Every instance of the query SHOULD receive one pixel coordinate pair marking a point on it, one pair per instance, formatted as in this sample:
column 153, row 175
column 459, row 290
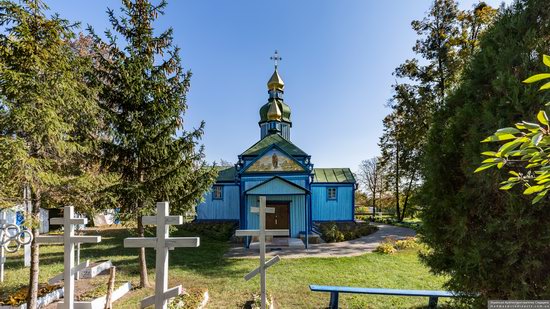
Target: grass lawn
column 205, row 267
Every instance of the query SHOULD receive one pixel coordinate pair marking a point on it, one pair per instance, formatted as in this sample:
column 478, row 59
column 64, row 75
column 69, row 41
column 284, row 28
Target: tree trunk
column 143, row 278
column 34, row 269
column 397, row 211
column 407, row 197
column 373, row 203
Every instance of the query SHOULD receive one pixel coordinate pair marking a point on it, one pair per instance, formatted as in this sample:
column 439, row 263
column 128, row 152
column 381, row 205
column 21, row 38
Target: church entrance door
column 280, row 220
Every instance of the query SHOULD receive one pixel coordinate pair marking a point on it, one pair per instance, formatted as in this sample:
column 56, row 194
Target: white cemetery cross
column 11, row 240
column 162, row 243
column 69, row 239
column 262, row 233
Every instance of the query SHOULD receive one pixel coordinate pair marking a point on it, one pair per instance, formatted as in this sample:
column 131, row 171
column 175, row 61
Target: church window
column 217, row 193
column 331, row 193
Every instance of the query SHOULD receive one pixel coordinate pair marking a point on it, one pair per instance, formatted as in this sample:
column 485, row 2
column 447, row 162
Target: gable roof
column 293, row 165
column 333, row 175
column 295, row 189
column 276, row 139
column 226, row 173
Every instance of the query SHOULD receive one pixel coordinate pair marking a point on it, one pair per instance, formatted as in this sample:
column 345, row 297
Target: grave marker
column 68, row 239
column 162, row 243
column 262, row 233
column 11, row 240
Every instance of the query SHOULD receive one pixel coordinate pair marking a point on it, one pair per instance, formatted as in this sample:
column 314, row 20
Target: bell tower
column 275, row 114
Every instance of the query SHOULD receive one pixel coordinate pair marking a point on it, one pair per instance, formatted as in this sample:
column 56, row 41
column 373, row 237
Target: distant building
column 276, row 168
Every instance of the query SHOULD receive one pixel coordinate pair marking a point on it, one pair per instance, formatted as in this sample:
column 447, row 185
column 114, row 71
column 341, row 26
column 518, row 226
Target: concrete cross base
column 95, row 269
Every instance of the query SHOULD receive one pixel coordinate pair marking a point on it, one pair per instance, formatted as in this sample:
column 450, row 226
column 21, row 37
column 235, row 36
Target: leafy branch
column 528, row 145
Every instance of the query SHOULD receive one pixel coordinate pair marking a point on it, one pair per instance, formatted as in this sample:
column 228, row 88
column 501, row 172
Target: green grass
column 288, row 281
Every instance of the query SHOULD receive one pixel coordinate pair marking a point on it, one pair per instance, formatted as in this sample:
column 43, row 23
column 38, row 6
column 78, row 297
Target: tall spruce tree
column 47, row 112
column 143, row 98
column 488, row 241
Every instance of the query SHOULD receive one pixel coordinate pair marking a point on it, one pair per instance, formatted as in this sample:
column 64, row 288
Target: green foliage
column 341, row 231
column 526, row 151
column 221, row 231
column 386, row 248
column 143, row 100
column 391, row 245
column 407, row 243
column 47, row 110
column 48, row 116
column 447, row 38
column 487, row 240
column 331, row 233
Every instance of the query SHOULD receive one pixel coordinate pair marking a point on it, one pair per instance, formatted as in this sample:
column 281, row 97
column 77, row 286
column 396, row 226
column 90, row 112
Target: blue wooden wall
column 297, row 212
column 324, row 209
column 249, row 182
column 225, row 209
column 275, row 186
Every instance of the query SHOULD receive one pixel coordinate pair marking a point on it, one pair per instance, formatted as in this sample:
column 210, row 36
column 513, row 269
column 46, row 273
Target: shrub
column 221, row 230
column 386, row 248
column 331, row 233
column 341, row 231
column 407, row 243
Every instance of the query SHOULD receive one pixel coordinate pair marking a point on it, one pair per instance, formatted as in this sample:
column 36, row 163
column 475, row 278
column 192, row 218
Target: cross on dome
column 276, row 58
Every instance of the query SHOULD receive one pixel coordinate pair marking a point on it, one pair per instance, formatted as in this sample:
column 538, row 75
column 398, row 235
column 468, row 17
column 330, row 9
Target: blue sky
column 338, row 59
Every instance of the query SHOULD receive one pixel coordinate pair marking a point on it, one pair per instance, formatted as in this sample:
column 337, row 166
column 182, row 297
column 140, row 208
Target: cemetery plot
column 47, row 294
column 68, row 239
column 162, row 244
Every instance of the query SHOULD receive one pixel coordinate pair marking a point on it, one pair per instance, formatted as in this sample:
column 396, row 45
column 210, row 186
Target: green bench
column 334, row 291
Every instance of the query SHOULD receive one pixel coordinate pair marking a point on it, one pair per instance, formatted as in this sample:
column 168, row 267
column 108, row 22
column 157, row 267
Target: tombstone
column 262, row 233
column 68, row 239
column 11, row 240
column 162, row 243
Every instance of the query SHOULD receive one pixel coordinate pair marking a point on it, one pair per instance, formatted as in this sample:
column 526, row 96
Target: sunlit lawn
column 288, row 281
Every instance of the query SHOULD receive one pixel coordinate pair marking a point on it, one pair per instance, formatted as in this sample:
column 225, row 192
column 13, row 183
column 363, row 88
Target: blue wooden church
column 276, row 168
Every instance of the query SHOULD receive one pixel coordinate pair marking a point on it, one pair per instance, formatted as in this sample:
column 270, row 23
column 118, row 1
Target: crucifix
column 262, row 233
column 276, row 59
column 162, row 243
column 68, row 239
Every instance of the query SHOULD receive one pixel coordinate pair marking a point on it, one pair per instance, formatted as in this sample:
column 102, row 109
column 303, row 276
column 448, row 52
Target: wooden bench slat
column 396, row 292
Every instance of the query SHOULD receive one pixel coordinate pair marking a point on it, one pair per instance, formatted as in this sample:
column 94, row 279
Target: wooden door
column 280, row 220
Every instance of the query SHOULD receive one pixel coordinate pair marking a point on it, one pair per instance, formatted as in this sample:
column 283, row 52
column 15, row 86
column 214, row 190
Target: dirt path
column 339, row 249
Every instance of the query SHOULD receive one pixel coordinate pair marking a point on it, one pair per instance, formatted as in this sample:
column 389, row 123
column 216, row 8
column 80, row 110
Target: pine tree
column 143, row 98
column 47, row 112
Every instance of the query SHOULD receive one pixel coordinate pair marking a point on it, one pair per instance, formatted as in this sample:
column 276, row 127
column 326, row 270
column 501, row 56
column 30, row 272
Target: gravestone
column 162, row 243
column 262, row 233
column 68, row 239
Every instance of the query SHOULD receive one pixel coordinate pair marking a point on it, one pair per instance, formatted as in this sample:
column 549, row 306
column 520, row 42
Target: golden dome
column 275, row 82
column 274, row 112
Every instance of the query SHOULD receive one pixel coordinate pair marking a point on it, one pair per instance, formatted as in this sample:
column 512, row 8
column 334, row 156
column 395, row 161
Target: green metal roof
column 285, row 110
column 333, row 175
column 276, row 139
column 226, row 173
